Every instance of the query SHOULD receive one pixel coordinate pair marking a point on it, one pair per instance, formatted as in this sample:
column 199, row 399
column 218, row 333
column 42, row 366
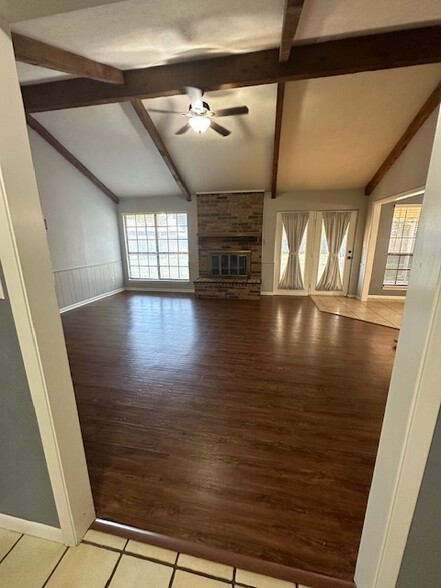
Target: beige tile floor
column 381, row 312
column 107, row 561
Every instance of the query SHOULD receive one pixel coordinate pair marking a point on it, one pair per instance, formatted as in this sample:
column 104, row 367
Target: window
column 157, row 246
column 401, row 245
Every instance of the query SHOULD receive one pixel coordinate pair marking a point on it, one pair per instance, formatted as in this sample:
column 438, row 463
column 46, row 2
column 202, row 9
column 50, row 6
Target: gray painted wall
column 25, row 488
column 82, row 228
column 421, row 565
column 381, row 249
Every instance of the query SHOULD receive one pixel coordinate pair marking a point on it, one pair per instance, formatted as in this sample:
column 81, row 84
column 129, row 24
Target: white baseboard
column 284, row 293
column 161, row 290
column 384, row 297
column 31, row 528
column 89, row 300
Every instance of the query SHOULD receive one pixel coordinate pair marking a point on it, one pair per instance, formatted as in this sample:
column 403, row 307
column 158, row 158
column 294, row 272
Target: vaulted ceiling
column 336, row 131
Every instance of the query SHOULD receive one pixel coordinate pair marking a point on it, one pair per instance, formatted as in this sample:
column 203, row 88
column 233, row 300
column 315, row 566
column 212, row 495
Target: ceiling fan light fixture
column 199, row 123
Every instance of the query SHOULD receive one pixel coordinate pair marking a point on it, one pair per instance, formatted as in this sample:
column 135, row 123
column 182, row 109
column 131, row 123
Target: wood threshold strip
column 43, row 55
column 291, row 18
column 277, row 135
column 221, row 556
column 423, row 114
column 149, row 125
column 400, row 48
column 70, row 157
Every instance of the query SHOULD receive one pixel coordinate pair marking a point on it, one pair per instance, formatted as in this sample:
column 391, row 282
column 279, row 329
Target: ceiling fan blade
column 183, row 129
column 232, row 111
column 164, row 111
column 220, row 129
column 195, row 95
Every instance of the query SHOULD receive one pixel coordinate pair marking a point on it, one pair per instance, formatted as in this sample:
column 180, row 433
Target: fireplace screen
column 230, row 263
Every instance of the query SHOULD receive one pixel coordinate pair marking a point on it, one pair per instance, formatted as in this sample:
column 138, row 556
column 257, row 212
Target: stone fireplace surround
column 229, row 222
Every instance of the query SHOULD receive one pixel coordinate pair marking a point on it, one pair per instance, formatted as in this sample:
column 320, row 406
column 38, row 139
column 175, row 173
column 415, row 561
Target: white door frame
column 62, row 451
column 24, row 255
column 313, row 232
column 413, row 403
column 370, row 239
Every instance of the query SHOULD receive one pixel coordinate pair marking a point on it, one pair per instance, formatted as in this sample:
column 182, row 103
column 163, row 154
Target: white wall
column 163, row 204
column 82, row 228
column 408, row 174
column 309, row 200
column 413, row 402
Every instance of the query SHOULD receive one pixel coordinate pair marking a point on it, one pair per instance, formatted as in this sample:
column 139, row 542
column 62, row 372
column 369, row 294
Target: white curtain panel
column 336, row 224
column 294, row 224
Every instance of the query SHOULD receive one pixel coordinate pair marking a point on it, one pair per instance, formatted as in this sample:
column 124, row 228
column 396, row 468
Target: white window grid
column 401, row 245
column 157, row 246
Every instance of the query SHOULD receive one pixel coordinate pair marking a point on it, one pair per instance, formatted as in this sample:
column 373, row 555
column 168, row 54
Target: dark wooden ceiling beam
column 277, row 135
column 70, row 157
column 291, row 18
column 329, row 58
column 423, row 114
column 149, row 125
column 43, row 55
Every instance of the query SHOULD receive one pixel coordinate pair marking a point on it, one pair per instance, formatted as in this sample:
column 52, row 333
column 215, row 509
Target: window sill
column 158, row 281
column 402, row 288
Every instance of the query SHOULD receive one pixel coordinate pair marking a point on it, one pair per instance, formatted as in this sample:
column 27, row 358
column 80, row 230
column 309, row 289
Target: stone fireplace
column 230, row 245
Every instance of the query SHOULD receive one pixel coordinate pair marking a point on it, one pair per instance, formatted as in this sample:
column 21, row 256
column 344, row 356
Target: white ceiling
column 111, row 141
column 140, row 33
column 325, row 19
column 18, row 10
column 336, row 131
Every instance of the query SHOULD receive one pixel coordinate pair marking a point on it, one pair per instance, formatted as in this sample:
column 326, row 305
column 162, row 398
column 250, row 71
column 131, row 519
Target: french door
column 323, row 253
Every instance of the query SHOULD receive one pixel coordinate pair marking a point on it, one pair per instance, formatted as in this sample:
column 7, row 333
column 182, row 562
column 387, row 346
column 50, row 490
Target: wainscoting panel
column 82, row 283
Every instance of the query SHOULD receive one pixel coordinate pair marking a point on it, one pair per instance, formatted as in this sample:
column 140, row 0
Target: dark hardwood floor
column 248, row 426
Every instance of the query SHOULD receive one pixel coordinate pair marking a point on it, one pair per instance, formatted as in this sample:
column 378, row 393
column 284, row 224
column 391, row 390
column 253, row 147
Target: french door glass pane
column 284, row 253
column 302, row 253
column 323, row 253
column 342, row 254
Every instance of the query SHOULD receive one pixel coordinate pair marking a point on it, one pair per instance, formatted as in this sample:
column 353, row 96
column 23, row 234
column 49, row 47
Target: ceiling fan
column 200, row 117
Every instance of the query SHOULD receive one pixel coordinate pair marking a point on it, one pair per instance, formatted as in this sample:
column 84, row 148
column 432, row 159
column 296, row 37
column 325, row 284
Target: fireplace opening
column 230, row 263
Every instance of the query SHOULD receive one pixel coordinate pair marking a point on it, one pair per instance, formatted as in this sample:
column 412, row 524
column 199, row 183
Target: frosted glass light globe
column 199, row 123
